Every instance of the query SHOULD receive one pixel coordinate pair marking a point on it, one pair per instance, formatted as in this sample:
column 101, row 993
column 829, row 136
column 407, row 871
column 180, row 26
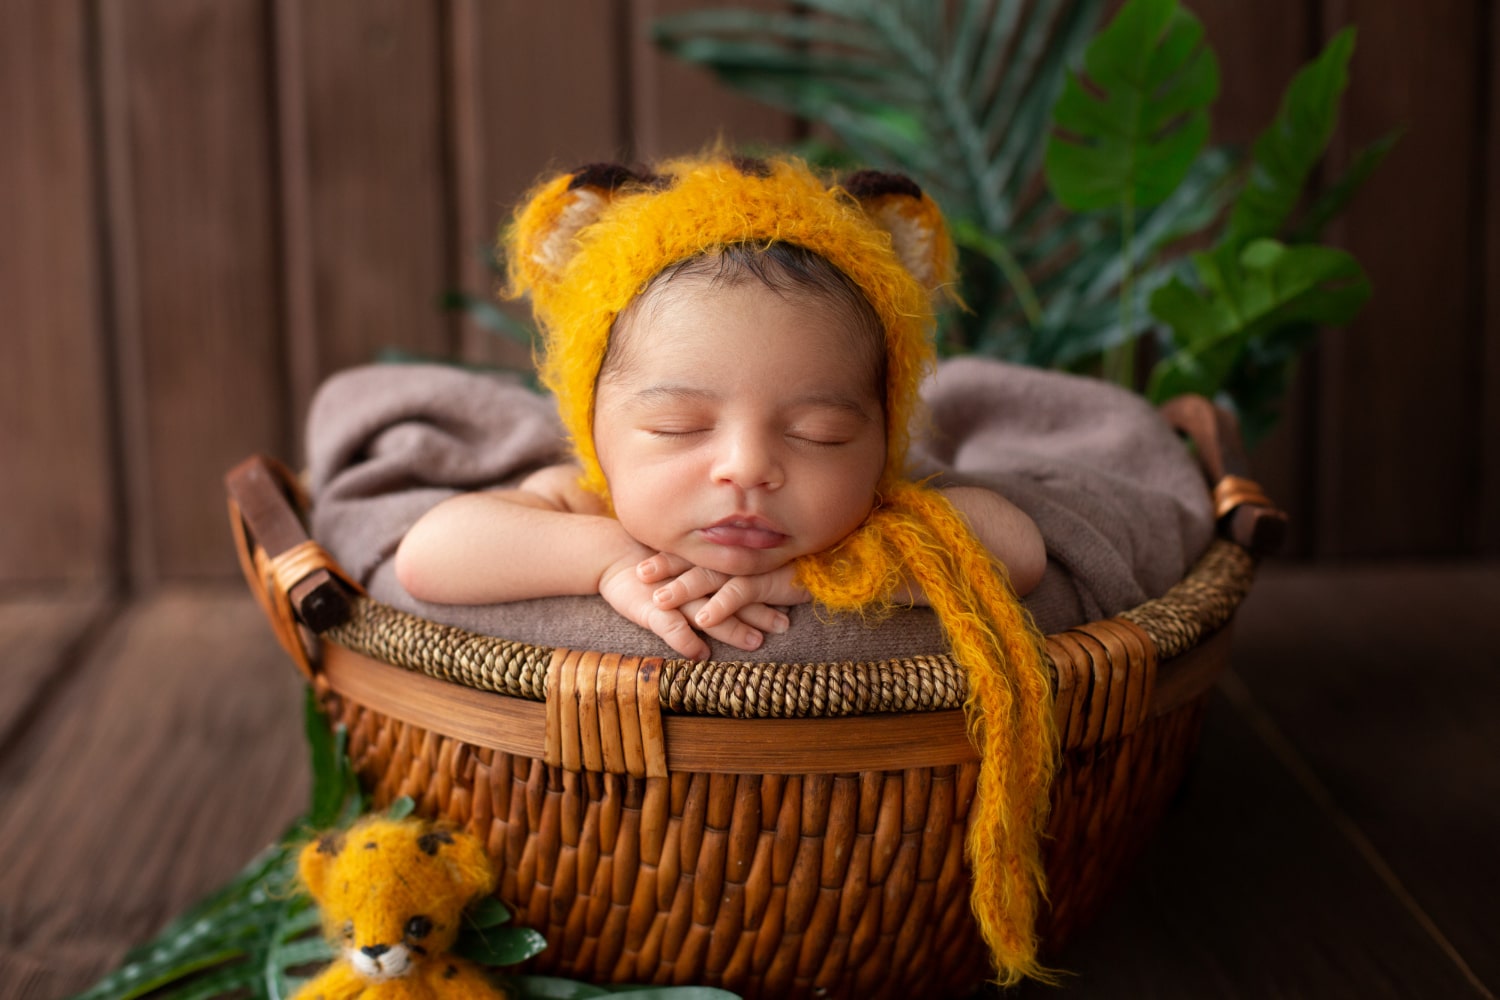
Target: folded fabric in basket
column 1119, row 501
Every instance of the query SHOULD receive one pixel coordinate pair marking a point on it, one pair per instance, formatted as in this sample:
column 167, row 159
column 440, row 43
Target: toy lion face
column 392, row 892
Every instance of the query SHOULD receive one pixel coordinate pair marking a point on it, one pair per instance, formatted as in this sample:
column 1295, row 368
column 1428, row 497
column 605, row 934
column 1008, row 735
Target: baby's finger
column 738, row 593
column 674, row 630
column 760, row 616
column 691, row 585
column 661, row 566
column 732, row 631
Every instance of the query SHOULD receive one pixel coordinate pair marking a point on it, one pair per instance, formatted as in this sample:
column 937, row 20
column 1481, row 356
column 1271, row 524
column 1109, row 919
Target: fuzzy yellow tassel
column 917, row 535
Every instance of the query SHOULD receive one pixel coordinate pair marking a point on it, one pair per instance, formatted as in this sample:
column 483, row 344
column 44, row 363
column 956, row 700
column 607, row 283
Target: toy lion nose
column 375, row 950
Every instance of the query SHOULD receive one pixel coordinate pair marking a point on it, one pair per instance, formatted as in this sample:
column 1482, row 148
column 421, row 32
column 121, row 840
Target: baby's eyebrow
column 831, row 401
column 672, row 393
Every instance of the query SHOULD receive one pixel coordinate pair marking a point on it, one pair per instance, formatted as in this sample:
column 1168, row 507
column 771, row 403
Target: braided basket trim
column 1200, row 603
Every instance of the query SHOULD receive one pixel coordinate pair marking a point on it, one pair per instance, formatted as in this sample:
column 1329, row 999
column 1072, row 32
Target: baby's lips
column 744, row 533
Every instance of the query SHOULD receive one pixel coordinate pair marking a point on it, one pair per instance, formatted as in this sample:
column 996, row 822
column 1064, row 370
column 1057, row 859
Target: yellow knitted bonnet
column 586, row 243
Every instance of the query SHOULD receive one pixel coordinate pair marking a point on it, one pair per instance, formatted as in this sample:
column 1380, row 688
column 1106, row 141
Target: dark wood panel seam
column 130, row 438
column 298, row 312
column 463, row 163
column 1306, row 460
column 53, row 695
column 1313, row 19
column 1475, row 369
column 117, row 553
column 456, row 122
column 1485, row 535
column 287, row 429
column 1233, row 687
column 623, row 20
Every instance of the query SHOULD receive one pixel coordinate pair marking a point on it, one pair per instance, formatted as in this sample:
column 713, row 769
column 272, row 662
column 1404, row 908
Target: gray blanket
column 1119, row 501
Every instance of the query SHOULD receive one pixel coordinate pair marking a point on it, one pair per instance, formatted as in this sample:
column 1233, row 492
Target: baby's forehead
column 837, row 338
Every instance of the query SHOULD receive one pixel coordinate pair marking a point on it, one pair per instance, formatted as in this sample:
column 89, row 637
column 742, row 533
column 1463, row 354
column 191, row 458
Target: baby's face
column 741, row 428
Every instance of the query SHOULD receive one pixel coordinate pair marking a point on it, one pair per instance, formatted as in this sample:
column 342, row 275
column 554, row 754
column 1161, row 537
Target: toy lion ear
column 316, row 858
column 470, row 865
column 544, row 236
column 918, row 233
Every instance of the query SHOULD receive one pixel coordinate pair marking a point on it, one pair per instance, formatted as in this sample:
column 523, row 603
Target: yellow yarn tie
column 917, row 535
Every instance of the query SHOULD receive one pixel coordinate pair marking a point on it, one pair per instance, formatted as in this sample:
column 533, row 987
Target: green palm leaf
column 1288, row 150
column 1336, row 196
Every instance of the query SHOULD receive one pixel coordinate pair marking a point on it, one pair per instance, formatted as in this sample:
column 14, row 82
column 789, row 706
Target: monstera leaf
column 1128, row 136
column 1265, row 286
column 1126, row 139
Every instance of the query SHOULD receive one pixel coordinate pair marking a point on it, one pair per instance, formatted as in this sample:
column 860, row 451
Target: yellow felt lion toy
column 393, row 893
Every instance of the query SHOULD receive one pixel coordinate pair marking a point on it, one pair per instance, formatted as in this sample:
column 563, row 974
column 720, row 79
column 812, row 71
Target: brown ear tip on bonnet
column 539, row 242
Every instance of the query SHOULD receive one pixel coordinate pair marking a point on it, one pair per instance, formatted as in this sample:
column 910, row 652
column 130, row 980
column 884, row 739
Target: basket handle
column 295, row 580
column 1244, row 513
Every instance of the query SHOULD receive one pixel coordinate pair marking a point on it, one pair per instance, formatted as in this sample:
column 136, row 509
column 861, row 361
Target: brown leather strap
column 264, row 503
column 1244, row 514
column 1232, row 491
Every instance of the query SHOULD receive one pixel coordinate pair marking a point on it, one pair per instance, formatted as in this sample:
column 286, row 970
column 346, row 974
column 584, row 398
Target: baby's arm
column 544, row 539
column 550, row 538
column 1007, row 531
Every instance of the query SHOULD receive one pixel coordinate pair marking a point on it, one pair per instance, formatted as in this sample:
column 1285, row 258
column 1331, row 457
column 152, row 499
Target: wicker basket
column 774, row 829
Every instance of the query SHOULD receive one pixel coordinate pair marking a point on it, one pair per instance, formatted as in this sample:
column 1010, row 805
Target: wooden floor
column 1340, row 836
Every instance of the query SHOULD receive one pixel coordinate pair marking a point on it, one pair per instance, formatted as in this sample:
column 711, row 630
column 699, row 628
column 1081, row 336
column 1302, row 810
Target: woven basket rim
column 1198, row 604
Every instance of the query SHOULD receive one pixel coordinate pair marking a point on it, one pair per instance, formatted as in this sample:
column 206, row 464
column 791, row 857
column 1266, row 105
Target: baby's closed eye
column 829, row 430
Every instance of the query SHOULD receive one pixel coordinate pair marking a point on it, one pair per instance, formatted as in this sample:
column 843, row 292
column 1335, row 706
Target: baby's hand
column 747, row 598
column 625, row 589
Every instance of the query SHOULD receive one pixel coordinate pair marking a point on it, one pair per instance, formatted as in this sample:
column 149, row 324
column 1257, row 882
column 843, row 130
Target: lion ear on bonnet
column 919, row 234
column 555, row 213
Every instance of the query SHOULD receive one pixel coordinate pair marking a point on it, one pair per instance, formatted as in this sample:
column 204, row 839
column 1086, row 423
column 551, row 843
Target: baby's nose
column 749, row 461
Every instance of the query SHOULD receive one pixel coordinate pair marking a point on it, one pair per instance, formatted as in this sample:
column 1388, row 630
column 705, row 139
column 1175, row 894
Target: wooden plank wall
column 206, row 206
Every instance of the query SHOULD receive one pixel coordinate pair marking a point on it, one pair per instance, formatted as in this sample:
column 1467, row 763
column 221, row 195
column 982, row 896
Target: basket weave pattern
column 768, row 884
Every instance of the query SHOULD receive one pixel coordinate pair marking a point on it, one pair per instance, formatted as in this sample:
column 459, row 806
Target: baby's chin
column 737, row 561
